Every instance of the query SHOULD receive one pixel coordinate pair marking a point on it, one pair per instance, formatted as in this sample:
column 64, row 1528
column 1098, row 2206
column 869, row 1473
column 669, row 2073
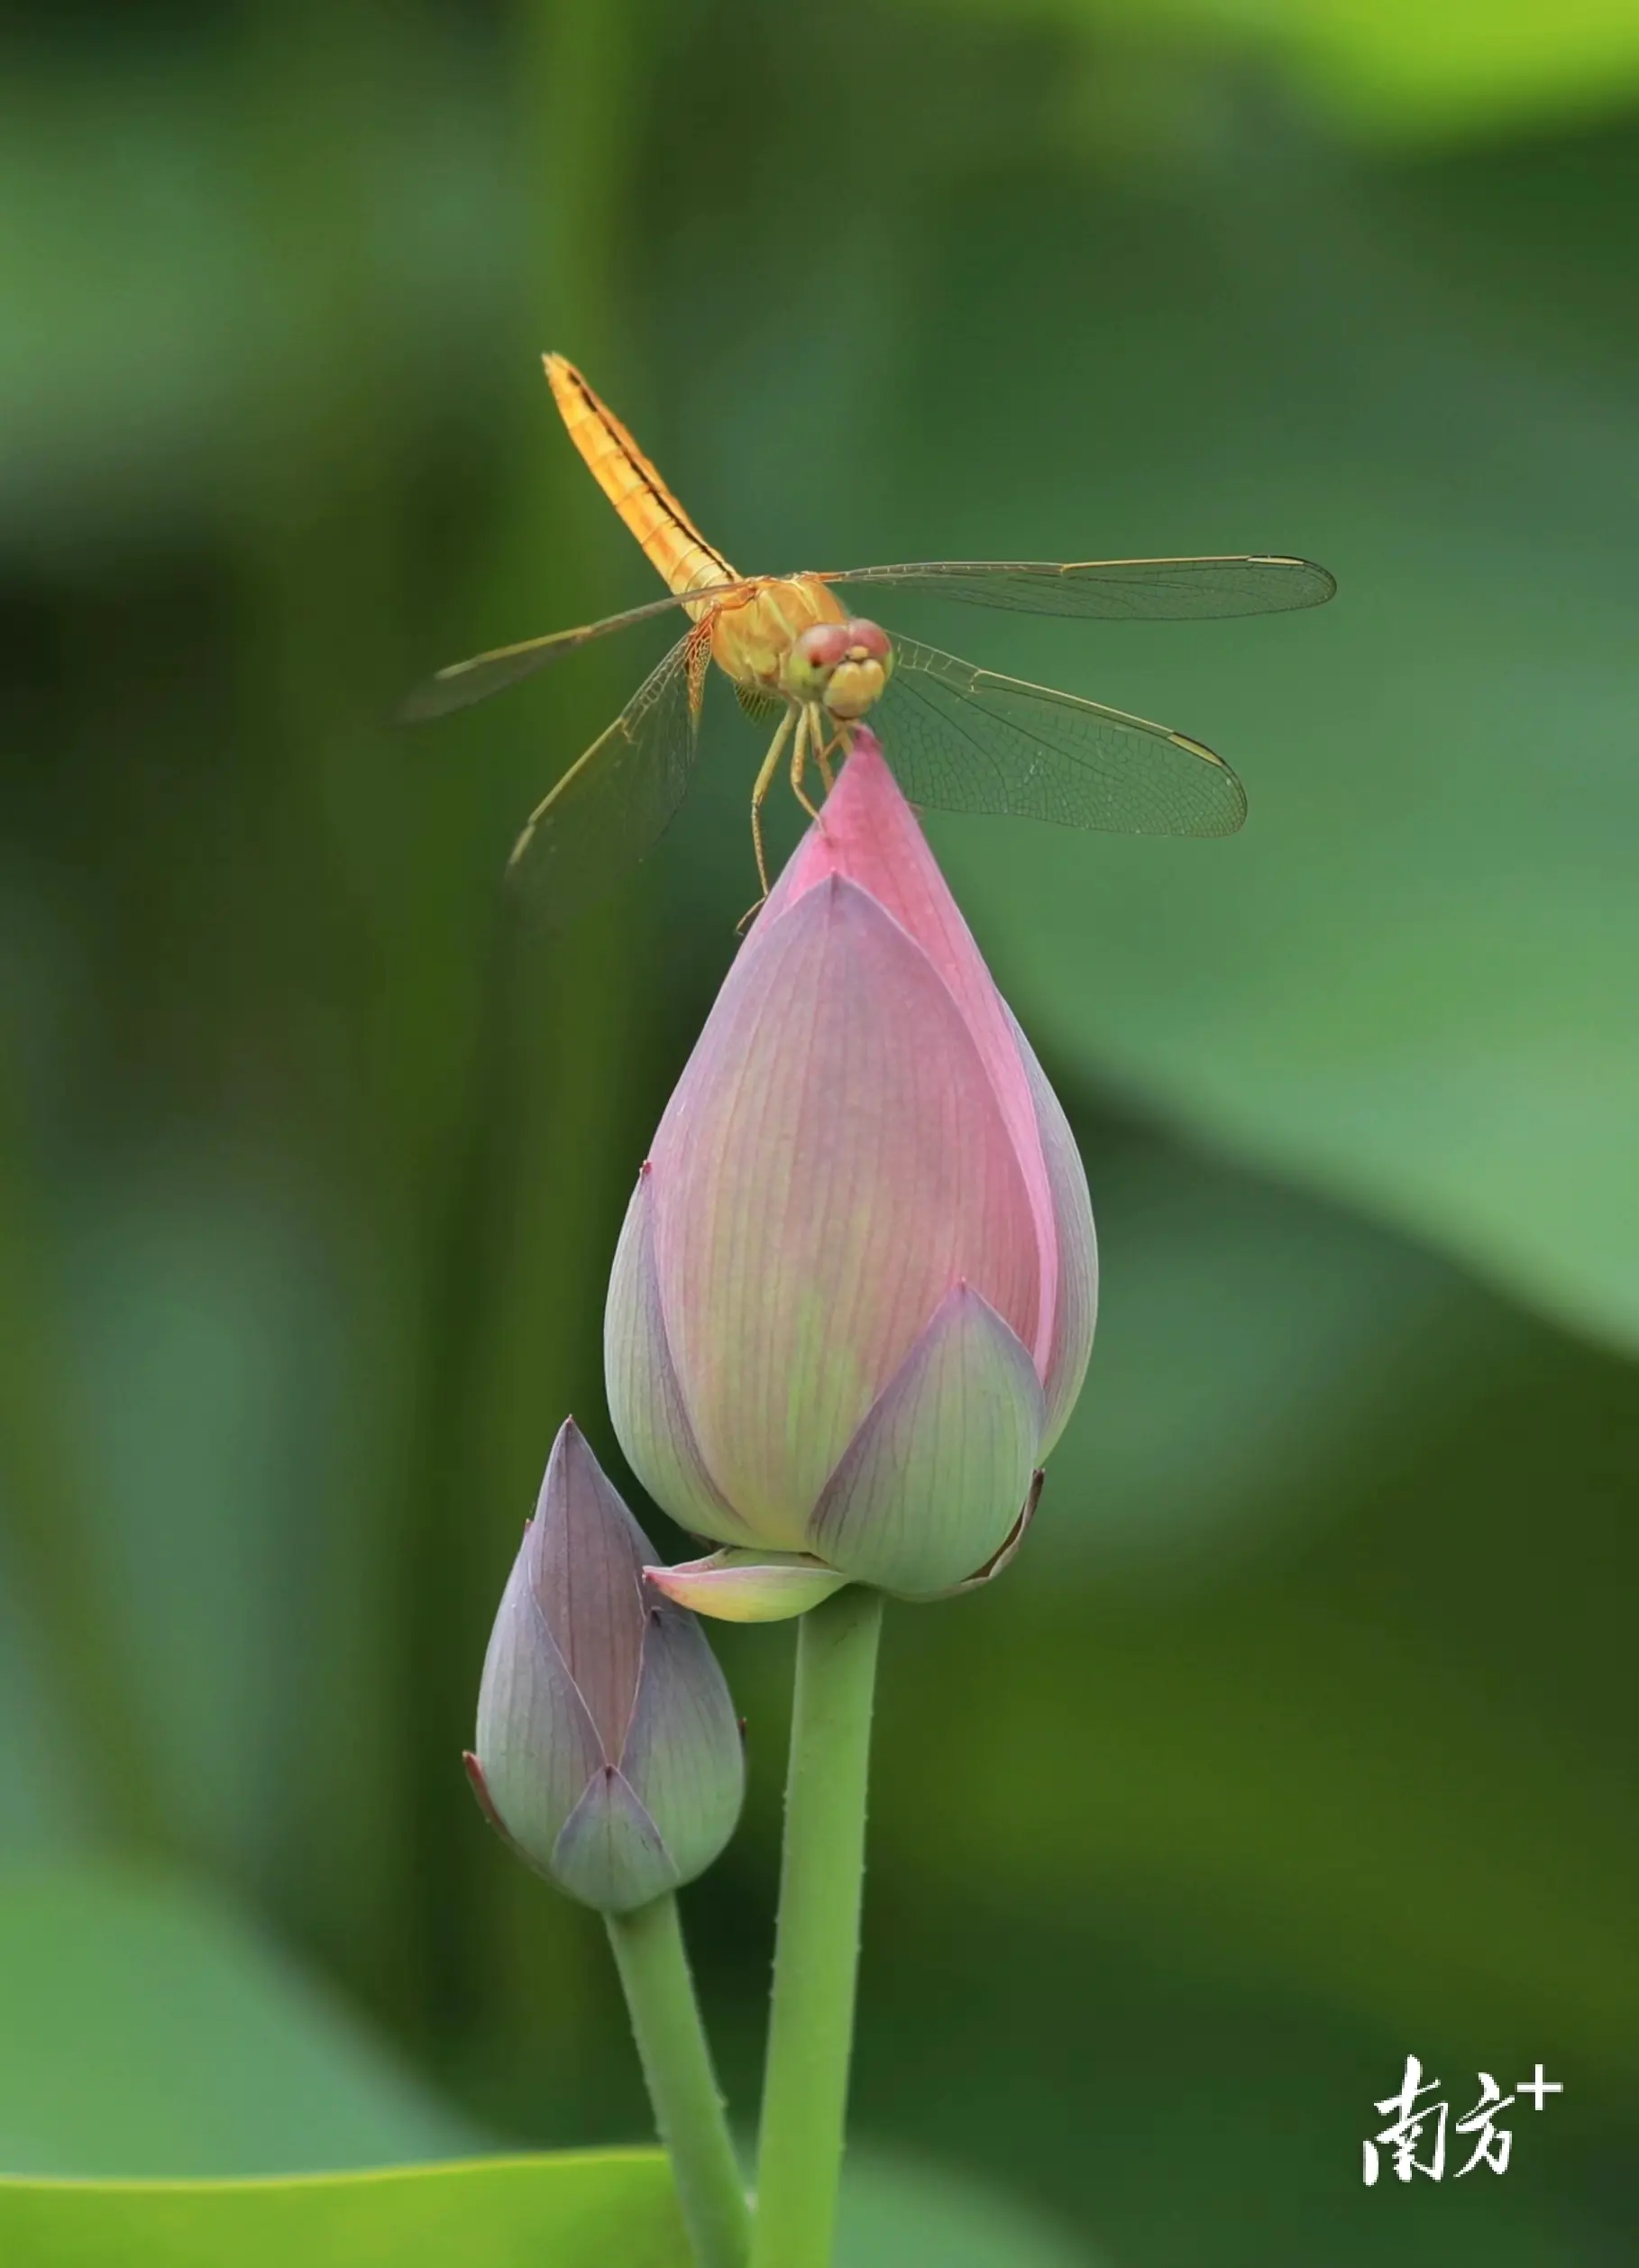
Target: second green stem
column 817, row 1950
column 683, row 2087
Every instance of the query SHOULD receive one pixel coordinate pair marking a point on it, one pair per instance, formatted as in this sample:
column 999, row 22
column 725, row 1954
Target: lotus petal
column 932, row 1482
column 611, row 1853
column 748, row 1586
column 869, row 833
column 1077, row 1245
column 1010, row 1550
column 646, row 1402
column 683, row 1757
column 537, row 1744
column 834, row 1159
column 586, row 1555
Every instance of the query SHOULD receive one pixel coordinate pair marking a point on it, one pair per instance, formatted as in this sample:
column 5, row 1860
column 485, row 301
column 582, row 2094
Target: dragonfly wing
column 613, row 804
column 464, row 682
column 960, row 738
column 1113, row 589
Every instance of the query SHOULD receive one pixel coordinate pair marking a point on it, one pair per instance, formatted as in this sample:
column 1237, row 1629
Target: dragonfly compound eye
column 815, row 656
column 868, row 641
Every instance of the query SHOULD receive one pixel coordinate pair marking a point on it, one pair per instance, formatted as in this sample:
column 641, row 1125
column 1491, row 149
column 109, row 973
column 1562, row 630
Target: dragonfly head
column 844, row 664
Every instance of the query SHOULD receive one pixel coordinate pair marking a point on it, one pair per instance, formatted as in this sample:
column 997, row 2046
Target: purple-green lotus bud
column 608, row 1752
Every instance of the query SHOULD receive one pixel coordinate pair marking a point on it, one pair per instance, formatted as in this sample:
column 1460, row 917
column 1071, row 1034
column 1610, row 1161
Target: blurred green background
column 1303, row 1735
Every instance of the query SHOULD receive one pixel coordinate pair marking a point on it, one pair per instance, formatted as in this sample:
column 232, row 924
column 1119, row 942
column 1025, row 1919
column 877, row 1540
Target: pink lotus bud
column 853, row 1301
column 608, row 1752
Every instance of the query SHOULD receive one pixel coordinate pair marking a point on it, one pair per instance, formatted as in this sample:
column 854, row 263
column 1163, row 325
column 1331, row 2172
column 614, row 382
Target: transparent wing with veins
column 614, row 803
column 962, row 738
column 1093, row 589
column 1113, row 590
column 464, row 682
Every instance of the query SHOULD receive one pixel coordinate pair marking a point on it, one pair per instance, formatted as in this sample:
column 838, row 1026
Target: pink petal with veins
column 868, row 833
column 645, row 1399
column 1078, row 1243
column 929, row 1487
column 834, row 1161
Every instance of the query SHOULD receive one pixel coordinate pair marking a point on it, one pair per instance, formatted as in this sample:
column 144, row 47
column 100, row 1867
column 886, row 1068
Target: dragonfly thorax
column 789, row 637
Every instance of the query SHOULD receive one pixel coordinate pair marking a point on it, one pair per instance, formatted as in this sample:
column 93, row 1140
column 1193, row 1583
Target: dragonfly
column 957, row 737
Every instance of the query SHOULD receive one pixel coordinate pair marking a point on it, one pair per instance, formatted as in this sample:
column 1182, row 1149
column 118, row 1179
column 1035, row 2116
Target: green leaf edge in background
column 570, row 2210
column 600, row 2208
column 1430, row 72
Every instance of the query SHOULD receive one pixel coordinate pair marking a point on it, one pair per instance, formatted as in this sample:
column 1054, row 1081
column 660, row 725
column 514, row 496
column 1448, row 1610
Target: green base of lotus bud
column 773, row 1587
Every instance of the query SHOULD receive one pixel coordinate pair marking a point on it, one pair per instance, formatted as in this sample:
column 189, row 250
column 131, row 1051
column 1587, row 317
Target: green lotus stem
column 682, row 2085
column 816, row 1948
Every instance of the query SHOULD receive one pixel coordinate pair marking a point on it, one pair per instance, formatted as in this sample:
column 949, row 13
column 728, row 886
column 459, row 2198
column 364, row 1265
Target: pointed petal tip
column 567, row 1462
column 748, row 1586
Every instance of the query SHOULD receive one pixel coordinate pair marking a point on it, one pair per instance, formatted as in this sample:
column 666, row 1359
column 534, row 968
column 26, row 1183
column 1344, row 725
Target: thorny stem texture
column 682, row 2085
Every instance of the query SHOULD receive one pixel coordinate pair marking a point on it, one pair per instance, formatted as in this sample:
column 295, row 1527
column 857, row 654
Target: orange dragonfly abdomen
column 674, row 545
column 752, row 633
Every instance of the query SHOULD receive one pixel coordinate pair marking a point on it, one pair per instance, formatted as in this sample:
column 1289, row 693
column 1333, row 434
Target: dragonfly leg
column 771, row 765
column 832, row 747
column 807, row 736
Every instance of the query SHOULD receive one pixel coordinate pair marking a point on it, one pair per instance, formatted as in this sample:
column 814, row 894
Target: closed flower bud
column 608, row 1752
column 852, row 1301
